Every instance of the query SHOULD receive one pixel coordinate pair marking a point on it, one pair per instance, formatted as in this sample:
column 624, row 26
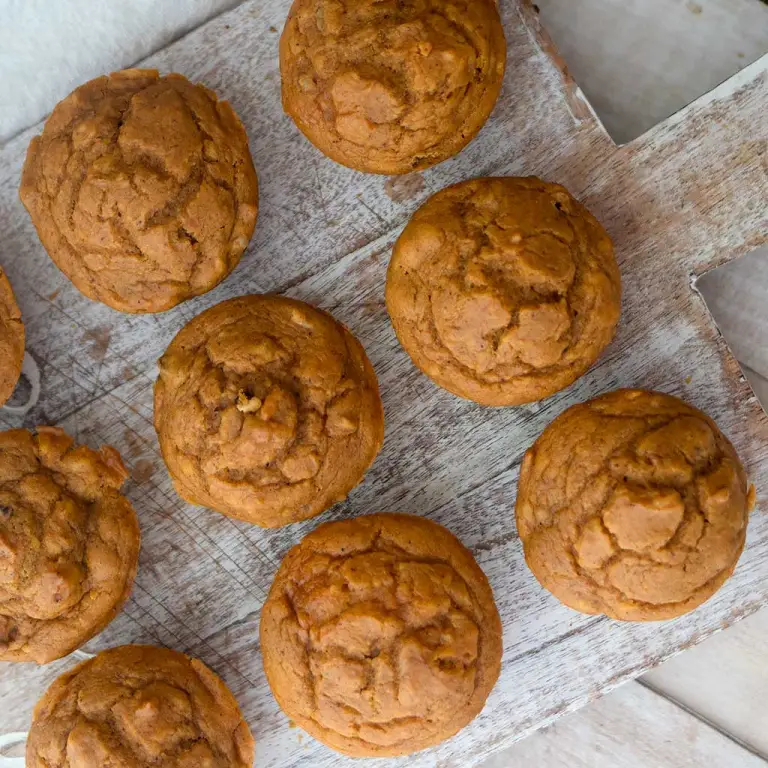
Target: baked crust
column 503, row 290
column 267, row 410
column 633, row 505
column 391, row 87
column 142, row 189
column 138, row 705
column 380, row 635
column 69, row 543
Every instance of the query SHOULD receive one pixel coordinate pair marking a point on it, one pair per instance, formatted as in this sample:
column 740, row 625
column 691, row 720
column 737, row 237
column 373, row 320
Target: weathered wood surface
column 687, row 196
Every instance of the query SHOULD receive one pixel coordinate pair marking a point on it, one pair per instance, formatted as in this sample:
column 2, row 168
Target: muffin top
column 11, row 339
column 267, row 410
column 392, row 86
column 69, row 543
column 503, row 290
column 633, row 505
column 380, row 635
column 137, row 706
column 142, row 189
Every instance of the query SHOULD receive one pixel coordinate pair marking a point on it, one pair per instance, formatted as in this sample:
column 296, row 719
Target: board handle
column 12, row 740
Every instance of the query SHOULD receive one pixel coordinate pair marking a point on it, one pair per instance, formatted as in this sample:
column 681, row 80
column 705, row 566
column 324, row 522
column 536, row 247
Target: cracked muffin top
column 391, row 86
column 137, row 706
column 380, row 635
column 503, row 290
column 633, row 505
column 11, row 339
column 267, row 410
column 69, row 543
column 142, row 189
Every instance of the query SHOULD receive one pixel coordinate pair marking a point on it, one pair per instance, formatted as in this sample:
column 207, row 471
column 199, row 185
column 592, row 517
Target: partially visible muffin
column 391, row 87
column 138, row 705
column 267, row 410
column 11, row 339
column 633, row 505
column 503, row 290
column 142, row 189
column 380, row 635
column 69, row 543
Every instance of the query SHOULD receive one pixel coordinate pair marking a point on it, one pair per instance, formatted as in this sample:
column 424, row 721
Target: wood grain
column 685, row 197
column 730, row 695
column 631, row 728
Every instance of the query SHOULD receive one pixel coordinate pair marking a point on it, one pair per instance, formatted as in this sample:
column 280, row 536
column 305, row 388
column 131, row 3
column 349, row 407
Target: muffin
column 142, row 189
column 137, row 705
column 380, row 635
column 267, row 410
column 633, row 505
column 69, row 543
column 11, row 339
column 391, row 87
column 503, row 290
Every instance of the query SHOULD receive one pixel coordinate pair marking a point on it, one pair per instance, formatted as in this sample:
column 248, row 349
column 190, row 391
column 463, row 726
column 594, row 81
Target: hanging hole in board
column 27, row 391
column 735, row 295
column 12, row 748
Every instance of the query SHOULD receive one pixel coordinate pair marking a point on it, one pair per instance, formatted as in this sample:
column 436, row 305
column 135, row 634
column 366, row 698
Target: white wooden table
column 97, row 379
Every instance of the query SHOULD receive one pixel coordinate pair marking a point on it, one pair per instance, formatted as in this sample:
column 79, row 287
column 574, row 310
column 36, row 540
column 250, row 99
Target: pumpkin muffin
column 503, row 290
column 142, row 189
column 137, row 705
column 267, row 410
column 633, row 505
column 11, row 339
column 391, row 87
column 69, row 543
column 380, row 635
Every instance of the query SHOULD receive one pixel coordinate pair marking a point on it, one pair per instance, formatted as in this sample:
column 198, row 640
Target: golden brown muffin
column 380, row 635
column 503, row 290
column 142, row 189
column 69, row 543
column 393, row 86
column 267, row 410
column 11, row 339
column 633, row 505
column 136, row 706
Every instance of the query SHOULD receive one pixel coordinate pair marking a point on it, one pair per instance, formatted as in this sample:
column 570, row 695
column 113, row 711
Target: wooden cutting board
column 687, row 196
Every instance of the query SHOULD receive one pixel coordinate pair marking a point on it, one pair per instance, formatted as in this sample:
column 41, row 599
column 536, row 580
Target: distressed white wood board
column 687, row 196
